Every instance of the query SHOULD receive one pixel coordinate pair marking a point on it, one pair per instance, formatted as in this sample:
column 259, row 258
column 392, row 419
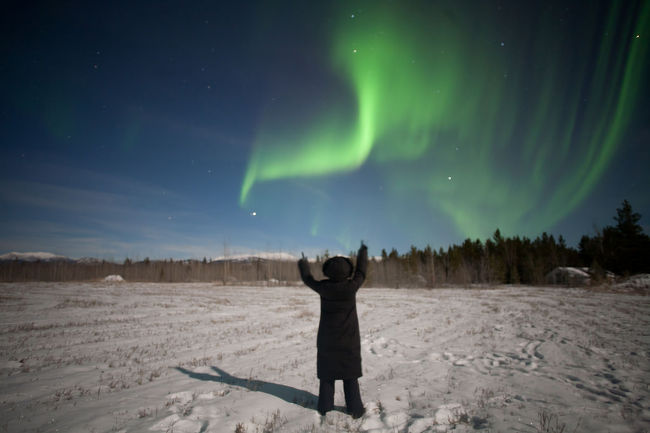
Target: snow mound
column 450, row 414
column 577, row 272
column 636, row 282
column 114, row 278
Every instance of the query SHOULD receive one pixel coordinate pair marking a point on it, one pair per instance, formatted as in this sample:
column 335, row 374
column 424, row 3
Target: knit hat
column 337, row 268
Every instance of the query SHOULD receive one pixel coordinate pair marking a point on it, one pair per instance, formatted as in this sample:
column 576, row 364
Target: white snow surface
column 83, row 357
column 114, row 278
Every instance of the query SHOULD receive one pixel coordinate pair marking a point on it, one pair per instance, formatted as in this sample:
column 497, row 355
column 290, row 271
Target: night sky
column 186, row 129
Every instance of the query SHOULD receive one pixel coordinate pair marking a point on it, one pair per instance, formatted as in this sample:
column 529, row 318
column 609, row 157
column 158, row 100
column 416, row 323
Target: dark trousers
column 352, row 396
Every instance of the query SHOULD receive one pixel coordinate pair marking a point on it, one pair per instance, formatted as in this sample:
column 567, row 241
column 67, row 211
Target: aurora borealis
column 513, row 130
column 181, row 130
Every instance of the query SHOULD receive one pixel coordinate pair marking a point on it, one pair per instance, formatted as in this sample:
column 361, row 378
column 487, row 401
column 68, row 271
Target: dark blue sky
column 128, row 128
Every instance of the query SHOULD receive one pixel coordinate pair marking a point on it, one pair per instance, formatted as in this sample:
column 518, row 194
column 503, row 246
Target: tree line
column 254, row 270
column 498, row 260
column 622, row 248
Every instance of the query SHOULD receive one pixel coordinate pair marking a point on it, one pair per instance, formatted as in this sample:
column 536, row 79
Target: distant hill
column 33, row 257
column 254, row 257
column 50, row 257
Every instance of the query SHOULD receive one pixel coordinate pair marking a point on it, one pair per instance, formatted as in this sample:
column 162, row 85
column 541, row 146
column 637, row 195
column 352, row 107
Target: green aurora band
column 511, row 135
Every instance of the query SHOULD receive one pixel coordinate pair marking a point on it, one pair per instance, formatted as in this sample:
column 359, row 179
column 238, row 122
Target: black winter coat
column 338, row 342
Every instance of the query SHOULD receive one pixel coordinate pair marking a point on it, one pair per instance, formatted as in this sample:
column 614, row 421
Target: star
column 448, row 177
column 352, row 16
column 354, row 50
column 253, row 213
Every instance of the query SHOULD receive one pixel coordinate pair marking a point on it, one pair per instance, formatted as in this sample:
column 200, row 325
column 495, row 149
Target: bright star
column 448, row 177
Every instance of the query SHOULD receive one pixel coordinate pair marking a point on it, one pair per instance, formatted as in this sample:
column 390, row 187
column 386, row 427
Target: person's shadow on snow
column 286, row 393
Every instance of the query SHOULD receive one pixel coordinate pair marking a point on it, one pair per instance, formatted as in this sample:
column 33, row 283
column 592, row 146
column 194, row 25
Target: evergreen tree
column 627, row 221
column 622, row 249
column 630, row 246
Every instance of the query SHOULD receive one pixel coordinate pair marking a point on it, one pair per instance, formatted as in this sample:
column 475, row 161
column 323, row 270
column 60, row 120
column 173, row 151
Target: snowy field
column 111, row 357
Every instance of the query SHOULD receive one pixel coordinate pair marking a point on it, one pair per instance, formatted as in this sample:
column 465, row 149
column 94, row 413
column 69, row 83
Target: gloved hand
column 303, row 268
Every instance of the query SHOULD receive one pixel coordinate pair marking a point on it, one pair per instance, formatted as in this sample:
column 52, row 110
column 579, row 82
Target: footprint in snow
column 457, row 360
column 381, row 347
column 176, row 424
column 375, row 420
column 422, row 425
column 372, row 419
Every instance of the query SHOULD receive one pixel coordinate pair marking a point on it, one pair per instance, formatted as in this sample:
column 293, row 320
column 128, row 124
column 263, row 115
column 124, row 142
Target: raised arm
column 305, row 274
column 362, row 265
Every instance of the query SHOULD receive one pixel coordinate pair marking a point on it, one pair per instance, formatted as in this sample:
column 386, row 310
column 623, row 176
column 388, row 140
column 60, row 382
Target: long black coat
column 338, row 342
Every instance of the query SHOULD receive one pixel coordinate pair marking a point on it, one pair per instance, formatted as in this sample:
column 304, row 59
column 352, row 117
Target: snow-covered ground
column 100, row 357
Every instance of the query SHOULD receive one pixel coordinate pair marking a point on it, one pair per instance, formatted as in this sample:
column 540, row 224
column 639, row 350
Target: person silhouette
column 338, row 341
